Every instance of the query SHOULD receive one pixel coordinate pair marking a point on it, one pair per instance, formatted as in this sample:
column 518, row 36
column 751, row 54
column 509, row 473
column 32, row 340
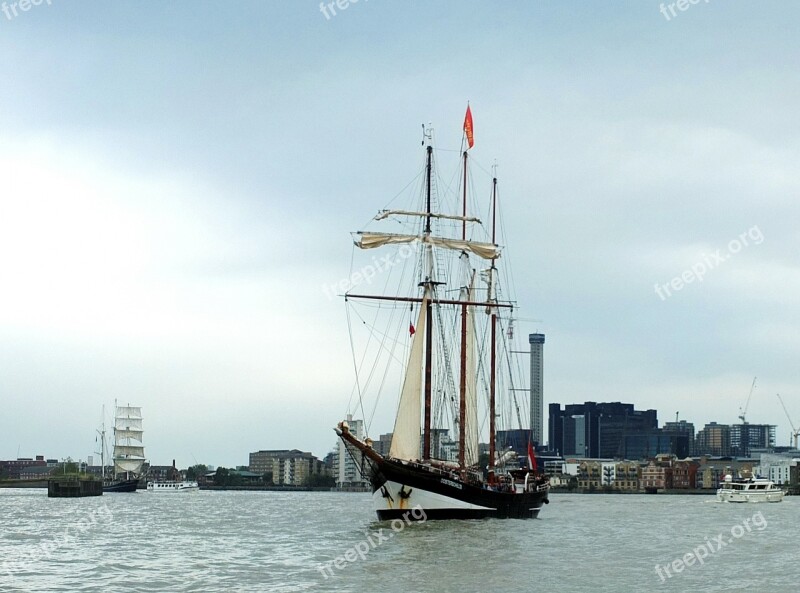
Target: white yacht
column 172, row 486
column 749, row 490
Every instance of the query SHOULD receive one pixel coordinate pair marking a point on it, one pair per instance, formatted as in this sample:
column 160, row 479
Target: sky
column 178, row 182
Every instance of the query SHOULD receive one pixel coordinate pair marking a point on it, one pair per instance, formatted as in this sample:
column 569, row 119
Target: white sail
column 129, row 412
column 128, row 449
column 405, row 439
column 471, row 396
column 133, row 466
column 124, row 433
column 373, row 240
column 128, row 424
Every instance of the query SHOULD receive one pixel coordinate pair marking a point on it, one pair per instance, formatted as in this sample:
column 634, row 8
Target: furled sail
column 387, row 213
column 372, row 240
column 405, row 439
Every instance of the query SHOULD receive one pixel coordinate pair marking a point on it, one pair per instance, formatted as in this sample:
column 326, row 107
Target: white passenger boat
column 749, row 490
column 172, row 486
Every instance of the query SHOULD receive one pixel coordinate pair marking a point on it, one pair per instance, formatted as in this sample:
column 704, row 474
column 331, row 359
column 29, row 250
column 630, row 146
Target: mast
column 426, row 433
column 462, row 386
column 103, row 445
column 102, row 433
column 114, row 450
column 493, row 347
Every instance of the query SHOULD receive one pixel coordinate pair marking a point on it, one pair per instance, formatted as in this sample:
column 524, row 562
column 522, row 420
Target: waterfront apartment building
column 262, row 462
column 295, row 467
column 288, row 467
column 684, row 474
column 605, row 474
column 626, row 476
column 346, row 464
column 383, row 444
column 656, row 476
column 777, row 467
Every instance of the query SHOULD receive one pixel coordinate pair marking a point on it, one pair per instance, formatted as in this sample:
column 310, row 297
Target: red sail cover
column 531, row 458
column 468, row 127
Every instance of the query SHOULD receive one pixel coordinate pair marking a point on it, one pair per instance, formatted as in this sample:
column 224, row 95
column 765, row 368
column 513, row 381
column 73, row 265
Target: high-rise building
column 646, row 444
column 746, row 437
column 597, row 430
column 681, row 427
column 537, row 387
column 347, row 462
column 714, row 439
column 383, row 444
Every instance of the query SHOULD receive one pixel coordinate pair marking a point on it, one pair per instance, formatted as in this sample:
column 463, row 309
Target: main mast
column 493, row 342
column 428, row 284
column 462, row 386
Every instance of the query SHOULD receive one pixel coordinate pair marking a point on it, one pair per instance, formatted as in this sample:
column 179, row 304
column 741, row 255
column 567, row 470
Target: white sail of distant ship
column 128, row 447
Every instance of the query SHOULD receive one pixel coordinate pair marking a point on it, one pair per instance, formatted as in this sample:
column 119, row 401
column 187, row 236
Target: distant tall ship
column 455, row 362
column 128, row 451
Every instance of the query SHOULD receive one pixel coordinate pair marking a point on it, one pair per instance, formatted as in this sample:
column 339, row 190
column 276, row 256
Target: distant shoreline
column 693, row 492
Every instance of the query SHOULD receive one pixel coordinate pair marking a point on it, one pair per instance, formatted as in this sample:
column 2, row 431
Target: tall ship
column 443, row 333
column 128, row 454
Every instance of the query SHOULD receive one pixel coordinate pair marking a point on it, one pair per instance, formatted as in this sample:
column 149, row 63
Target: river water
column 275, row 541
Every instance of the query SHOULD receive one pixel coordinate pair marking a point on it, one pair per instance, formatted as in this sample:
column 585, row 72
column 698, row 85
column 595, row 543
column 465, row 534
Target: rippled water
column 273, row 541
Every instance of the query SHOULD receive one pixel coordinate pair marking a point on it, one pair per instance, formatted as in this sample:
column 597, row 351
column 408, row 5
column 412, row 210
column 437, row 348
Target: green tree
column 267, row 478
column 319, row 481
column 196, row 471
column 222, row 476
column 572, row 484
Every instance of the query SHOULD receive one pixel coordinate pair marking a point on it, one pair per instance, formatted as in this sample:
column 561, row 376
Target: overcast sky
column 178, row 181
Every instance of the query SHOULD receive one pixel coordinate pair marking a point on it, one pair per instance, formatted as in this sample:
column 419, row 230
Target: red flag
column 468, row 127
column 531, row 458
column 411, row 330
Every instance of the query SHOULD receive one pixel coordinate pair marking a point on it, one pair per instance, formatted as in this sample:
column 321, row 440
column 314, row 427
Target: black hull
column 496, row 504
column 121, row 486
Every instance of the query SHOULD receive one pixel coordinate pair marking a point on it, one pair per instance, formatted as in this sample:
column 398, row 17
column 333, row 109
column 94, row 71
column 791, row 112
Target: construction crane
column 795, row 432
column 743, row 412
